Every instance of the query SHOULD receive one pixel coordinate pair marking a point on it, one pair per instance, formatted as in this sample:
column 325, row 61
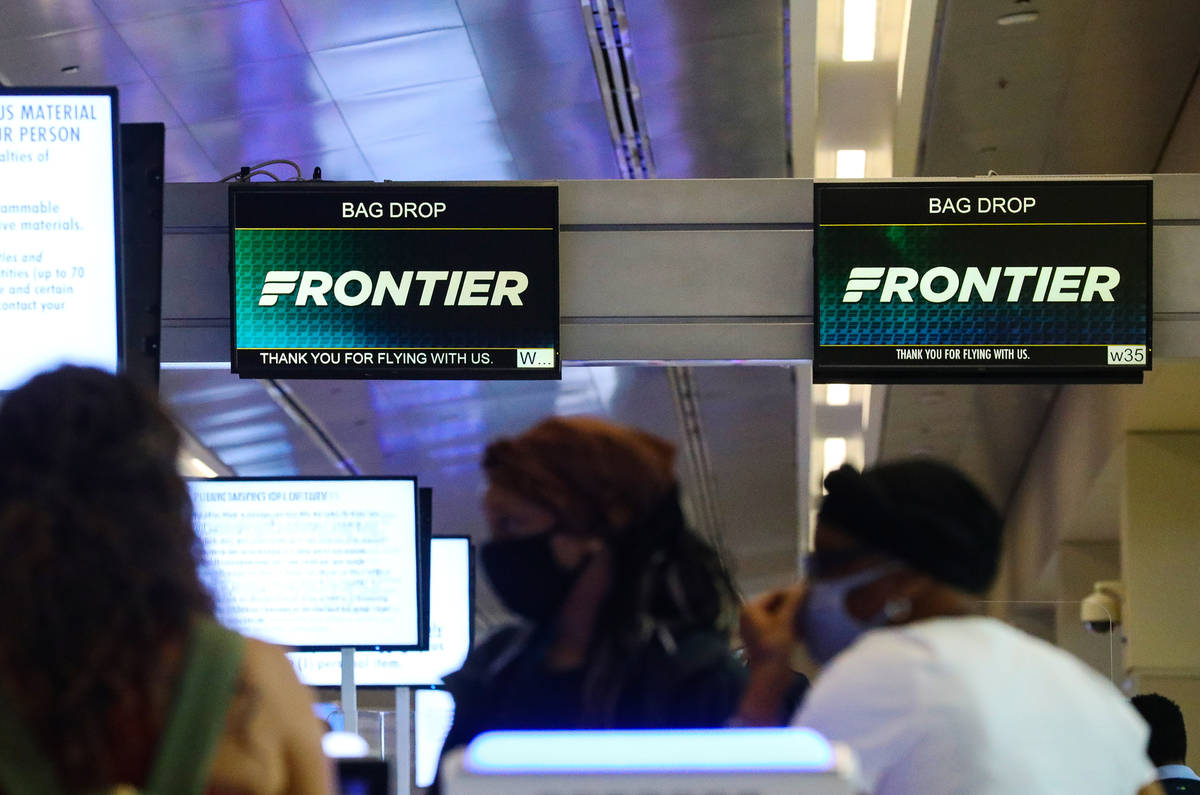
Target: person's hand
column 768, row 625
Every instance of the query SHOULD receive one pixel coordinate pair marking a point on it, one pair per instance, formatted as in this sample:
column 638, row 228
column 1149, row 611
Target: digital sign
column 395, row 281
column 451, row 616
column 982, row 281
column 320, row 563
column 59, row 249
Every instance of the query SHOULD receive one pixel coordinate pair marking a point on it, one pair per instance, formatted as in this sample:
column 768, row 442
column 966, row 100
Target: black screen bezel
column 422, row 582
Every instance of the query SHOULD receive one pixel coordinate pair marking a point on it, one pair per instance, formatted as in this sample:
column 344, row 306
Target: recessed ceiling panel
column 667, row 23
column 184, row 160
column 568, row 142
column 1089, row 86
column 326, row 24
column 252, row 87
column 126, row 10
column 143, row 102
column 100, row 54
column 212, row 38
column 678, row 156
column 27, row 20
column 535, row 88
column 474, row 11
column 694, row 62
column 264, row 136
column 392, row 114
column 550, row 37
column 1148, row 30
column 1119, row 119
column 414, row 60
column 395, row 164
column 459, row 152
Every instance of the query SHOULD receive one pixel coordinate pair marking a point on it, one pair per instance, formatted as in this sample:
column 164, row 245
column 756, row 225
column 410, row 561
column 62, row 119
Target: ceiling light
column 837, row 394
column 344, row 745
column 851, row 164
column 1018, row 18
column 858, row 30
column 190, row 466
column 834, row 455
column 193, row 366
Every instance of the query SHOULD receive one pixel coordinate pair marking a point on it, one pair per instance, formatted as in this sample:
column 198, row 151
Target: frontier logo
column 354, row 288
column 1053, row 284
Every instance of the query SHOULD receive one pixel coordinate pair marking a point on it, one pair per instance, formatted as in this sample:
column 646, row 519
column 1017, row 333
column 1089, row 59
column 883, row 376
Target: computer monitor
column 59, row 219
column 451, row 617
column 761, row 761
column 433, row 714
column 363, row 777
column 318, row 563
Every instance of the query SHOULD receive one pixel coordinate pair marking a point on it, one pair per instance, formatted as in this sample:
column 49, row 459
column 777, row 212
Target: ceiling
column 508, row 89
column 1089, row 87
column 414, row 89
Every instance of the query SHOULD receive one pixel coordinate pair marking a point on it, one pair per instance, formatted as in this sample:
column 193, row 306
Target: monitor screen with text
column 58, row 231
column 450, row 619
column 321, row 563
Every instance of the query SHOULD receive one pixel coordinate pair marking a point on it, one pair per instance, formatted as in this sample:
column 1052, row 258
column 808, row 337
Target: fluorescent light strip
column 858, row 30
column 193, row 366
column 191, row 466
column 834, row 454
column 851, row 164
column 837, row 394
column 344, row 745
column 629, row 751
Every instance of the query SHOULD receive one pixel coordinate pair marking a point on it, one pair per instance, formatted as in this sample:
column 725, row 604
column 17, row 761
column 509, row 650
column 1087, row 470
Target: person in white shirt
column 933, row 698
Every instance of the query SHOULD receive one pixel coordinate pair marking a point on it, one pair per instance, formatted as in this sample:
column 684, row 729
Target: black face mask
column 526, row 576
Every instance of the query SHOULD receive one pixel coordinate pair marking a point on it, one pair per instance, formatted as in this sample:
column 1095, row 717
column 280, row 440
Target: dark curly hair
column 98, row 569
column 1168, row 735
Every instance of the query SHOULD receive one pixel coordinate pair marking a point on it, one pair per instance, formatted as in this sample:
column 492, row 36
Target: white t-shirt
column 972, row 706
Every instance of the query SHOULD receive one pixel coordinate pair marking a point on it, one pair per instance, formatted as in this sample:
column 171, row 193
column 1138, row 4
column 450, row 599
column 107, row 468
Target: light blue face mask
column 828, row 625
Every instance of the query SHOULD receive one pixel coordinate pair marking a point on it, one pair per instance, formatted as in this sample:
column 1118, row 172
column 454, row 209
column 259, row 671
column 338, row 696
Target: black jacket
column 504, row 685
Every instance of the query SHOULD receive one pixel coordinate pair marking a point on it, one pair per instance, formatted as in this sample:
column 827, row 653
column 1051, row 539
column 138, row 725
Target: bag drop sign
column 395, row 281
column 982, row 280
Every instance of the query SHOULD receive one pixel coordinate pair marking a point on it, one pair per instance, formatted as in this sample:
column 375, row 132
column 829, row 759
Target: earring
column 898, row 609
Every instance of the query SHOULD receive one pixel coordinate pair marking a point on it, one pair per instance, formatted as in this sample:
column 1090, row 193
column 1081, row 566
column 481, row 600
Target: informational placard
column 395, row 281
column 433, row 715
column 324, row 563
column 982, row 280
column 451, row 615
column 58, row 230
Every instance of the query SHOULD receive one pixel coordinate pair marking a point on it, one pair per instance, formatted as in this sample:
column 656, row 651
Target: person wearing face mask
column 625, row 613
column 933, row 697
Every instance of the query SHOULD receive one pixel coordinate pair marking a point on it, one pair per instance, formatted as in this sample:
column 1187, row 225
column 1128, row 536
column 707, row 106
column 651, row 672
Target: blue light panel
column 682, row 751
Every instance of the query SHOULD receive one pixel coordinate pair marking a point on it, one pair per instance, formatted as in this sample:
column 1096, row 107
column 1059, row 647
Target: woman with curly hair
column 112, row 670
column 625, row 612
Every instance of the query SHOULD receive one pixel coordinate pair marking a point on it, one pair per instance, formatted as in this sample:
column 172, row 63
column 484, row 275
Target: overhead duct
column 699, row 485
column 608, row 37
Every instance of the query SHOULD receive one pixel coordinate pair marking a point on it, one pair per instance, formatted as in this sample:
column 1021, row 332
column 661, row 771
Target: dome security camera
column 1100, row 610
